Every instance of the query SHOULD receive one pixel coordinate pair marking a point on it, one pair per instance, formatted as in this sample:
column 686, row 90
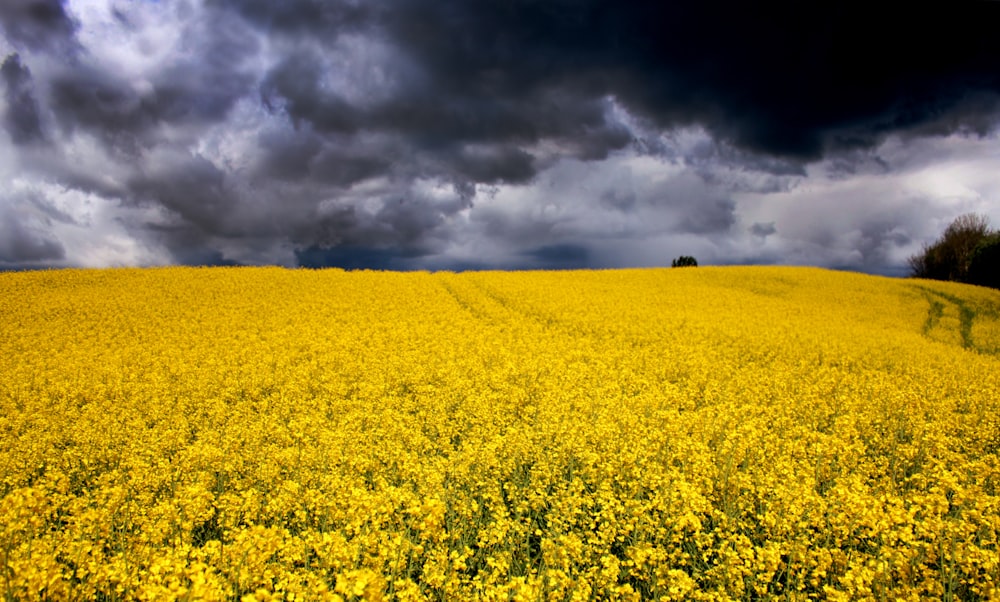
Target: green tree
column 984, row 269
column 684, row 261
column 950, row 257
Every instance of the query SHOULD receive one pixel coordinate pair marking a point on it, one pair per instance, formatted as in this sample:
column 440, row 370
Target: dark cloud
column 774, row 84
column 295, row 84
column 559, row 256
column 495, row 165
column 354, row 258
column 408, row 223
column 297, row 156
column 709, row 154
column 197, row 89
column 619, row 200
column 315, row 17
column 514, row 230
column 102, row 103
column 797, row 79
column 789, row 79
column 473, row 134
column 849, row 164
column 877, row 240
column 38, row 24
column 209, row 209
column 405, row 223
column 190, row 248
column 709, row 217
column 21, row 118
column 437, row 101
column 547, row 257
column 193, row 189
column 21, row 243
column 216, row 71
column 763, row 229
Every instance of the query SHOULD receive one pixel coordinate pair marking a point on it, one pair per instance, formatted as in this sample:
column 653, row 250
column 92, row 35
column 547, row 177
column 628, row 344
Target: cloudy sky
column 467, row 134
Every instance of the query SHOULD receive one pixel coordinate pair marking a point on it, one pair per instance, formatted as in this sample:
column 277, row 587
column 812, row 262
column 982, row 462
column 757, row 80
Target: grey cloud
column 194, row 189
column 99, row 102
column 294, row 85
column 495, row 165
column 21, row 119
column 196, row 90
column 559, row 256
column 763, row 229
column 877, row 239
column 442, row 119
column 38, row 24
column 708, row 154
column 46, row 208
column 405, row 223
column 853, row 233
column 315, row 17
column 466, row 135
column 354, row 258
column 847, row 165
column 219, row 71
column 433, row 119
column 709, row 217
column 618, row 200
column 401, row 233
column 580, row 213
column 338, row 227
column 21, row 243
column 300, row 156
column 512, row 230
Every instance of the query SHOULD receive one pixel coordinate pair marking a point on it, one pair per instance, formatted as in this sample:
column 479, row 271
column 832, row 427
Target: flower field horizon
column 711, row 433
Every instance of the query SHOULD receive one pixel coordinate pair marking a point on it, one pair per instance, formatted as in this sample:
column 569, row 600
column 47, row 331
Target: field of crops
column 700, row 433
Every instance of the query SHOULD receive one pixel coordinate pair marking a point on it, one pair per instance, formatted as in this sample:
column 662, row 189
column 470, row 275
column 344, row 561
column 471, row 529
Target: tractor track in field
column 938, row 302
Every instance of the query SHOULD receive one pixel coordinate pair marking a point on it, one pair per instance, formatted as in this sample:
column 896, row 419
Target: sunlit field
column 696, row 434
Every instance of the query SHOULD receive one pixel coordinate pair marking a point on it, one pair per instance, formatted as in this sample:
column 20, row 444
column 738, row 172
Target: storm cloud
column 38, row 24
column 23, row 237
column 21, row 119
column 411, row 134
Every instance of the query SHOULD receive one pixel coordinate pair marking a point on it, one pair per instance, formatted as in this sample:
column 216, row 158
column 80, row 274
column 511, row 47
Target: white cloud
column 131, row 38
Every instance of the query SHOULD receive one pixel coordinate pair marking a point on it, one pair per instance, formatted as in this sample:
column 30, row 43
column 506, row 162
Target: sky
column 500, row 134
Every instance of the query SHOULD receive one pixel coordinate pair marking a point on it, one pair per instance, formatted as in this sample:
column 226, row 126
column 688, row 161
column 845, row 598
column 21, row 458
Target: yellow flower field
column 699, row 434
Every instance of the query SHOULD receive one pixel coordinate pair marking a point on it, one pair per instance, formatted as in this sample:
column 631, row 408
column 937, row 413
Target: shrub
column 684, row 261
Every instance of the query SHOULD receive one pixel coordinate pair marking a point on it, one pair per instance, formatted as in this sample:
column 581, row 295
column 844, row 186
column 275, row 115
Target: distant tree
column 684, row 261
column 984, row 269
column 950, row 257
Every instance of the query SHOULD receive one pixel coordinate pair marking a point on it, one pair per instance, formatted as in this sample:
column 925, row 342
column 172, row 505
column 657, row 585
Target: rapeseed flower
column 709, row 434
